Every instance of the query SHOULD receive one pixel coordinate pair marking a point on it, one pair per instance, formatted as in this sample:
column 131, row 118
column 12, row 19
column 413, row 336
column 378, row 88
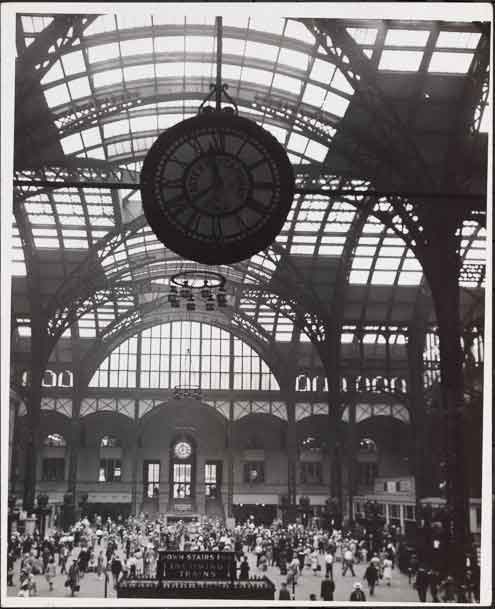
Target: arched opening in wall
column 49, row 379
column 110, row 468
column 182, row 472
column 367, row 463
column 311, row 449
column 65, row 378
column 320, row 383
column 53, row 458
column 303, row 383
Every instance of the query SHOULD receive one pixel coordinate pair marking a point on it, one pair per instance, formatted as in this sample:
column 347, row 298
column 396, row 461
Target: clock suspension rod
column 218, row 88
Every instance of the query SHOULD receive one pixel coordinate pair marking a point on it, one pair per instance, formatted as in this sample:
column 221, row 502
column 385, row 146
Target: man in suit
column 327, row 588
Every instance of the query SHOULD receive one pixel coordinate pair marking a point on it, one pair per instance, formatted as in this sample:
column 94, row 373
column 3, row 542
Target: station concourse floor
column 91, row 586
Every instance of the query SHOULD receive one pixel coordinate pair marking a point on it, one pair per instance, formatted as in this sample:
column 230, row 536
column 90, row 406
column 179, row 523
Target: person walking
column 244, row 569
column 73, row 577
column 116, row 568
column 50, row 572
column 327, row 588
column 371, row 576
column 348, row 562
column 421, row 583
column 315, row 563
column 387, row 571
column 357, row 594
column 328, row 563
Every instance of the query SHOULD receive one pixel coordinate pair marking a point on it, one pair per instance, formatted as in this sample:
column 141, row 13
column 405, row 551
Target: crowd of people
column 127, row 548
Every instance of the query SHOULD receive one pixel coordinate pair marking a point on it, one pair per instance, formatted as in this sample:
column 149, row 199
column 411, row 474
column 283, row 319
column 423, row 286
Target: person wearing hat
column 357, row 594
column 284, row 594
column 421, row 583
column 327, row 588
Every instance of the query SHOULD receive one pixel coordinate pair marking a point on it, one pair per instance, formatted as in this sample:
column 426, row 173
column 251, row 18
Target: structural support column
column 292, row 455
column 13, row 421
column 33, row 441
column 415, row 347
column 351, row 457
column 230, row 463
column 74, row 449
column 135, row 459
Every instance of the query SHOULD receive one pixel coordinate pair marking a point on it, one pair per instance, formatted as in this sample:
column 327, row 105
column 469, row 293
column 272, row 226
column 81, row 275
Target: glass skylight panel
column 91, row 137
column 134, row 20
column 458, row 40
column 400, row 61
column 116, row 128
column 261, row 77
column 143, row 123
column 109, row 77
column 53, row 74
column 170, row 69
column 259, row 50
column 199, row 69
column 33, row 25
column 231, row 72
column 359, row 277
column 73, row 63
column 340, row 82
column 316, row 151
column 267, row 24
column 104, row 23
column 330, row 250
column 136, row 46
column 322, row 71
column 79, row 87
column 199, row 44
column 71, row 143
column 56, row 96
column 295, row 29
column 295, row 59
column 298, row 142
column 234, row 46
column 387, row 264
column 366, row 36
column 335, row 104
column 383, row 278
column 103, row 52
column 169, row 44
column 410, row 278
column 406, row 38
column 450, row 63
column 293, row 85
column 139, row 72
column 314, row 95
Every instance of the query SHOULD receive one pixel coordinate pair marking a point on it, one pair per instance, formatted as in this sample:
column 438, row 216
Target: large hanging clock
column 216, row 188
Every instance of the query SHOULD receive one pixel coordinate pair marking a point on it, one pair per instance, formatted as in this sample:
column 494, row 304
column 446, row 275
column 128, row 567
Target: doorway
column 213, row 479
column 151, row 479
column 182, row 472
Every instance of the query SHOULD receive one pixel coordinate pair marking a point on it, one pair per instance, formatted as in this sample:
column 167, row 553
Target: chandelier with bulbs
column 197, row 290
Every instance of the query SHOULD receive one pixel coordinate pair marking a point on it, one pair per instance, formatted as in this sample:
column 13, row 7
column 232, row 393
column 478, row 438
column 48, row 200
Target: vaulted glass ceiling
column 163, row 67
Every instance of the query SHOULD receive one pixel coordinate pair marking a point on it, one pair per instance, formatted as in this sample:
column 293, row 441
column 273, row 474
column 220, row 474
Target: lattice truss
column 61, row 405
column 366, row 411
column 97, row 404
column 245, row 408
column 308, row 409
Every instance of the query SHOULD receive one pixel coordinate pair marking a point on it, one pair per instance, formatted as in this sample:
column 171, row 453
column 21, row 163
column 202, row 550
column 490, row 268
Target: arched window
column 65, row 378
column 54, row 440
column 53, row 458
column 185, row 354
column 367, row 462
column 110, row 469
column 303, row 383
column 49, row 379
column 110, row 442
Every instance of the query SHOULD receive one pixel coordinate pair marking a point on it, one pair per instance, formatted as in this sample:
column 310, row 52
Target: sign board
column 195, row 566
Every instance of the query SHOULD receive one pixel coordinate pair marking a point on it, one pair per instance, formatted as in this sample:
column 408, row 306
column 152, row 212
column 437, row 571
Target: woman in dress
column 387, row 571
column 50, row 572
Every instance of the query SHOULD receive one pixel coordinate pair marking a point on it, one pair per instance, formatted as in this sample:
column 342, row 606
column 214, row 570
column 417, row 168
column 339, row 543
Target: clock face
column 182, row 450
column 216, row 188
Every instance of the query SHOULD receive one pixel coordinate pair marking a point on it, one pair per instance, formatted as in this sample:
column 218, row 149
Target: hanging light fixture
column 197, row 288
